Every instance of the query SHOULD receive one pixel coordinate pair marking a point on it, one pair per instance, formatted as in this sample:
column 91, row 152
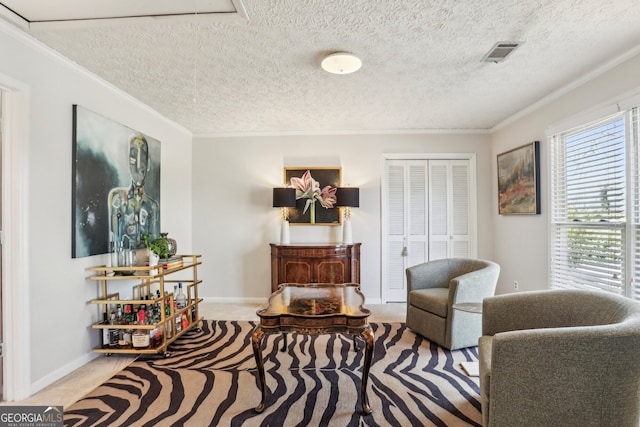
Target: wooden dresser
column 314, row 263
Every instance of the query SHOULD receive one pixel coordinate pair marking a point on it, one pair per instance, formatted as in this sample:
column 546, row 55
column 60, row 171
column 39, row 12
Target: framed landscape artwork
column 325, row 176
column 519, row 180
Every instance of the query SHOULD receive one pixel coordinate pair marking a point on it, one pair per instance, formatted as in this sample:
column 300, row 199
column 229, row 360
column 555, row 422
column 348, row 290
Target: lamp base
column 285, row 238
column 347, row 237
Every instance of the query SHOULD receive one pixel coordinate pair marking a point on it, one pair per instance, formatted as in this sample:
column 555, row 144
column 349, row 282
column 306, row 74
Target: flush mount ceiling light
column 341, row 63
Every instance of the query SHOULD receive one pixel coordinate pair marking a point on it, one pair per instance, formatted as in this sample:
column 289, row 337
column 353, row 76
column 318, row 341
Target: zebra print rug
column 211, row 380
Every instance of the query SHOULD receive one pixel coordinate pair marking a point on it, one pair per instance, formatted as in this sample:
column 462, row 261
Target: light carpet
column 211, row 380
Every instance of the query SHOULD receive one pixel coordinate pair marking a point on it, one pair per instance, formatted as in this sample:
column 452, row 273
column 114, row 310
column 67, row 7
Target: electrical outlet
column 515, row 285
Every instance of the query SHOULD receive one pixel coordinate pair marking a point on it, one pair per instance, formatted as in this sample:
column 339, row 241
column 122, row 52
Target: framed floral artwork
column 315, row 195
column 519, row 180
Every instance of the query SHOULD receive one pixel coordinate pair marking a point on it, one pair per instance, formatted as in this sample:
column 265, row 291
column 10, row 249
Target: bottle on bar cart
column 178, row 319
column 140, row 338
column 113, row 333
column 181, row 298
column 105, row 331
column 167, row 313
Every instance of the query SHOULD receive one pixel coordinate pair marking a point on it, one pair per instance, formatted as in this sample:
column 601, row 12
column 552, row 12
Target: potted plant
column 158, row 248
column 157, row 244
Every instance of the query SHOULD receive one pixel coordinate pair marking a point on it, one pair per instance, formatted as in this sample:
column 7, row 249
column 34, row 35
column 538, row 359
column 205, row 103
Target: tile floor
column 74, row 386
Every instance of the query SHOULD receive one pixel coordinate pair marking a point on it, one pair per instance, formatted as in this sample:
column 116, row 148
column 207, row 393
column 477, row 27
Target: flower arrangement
column 308, row 188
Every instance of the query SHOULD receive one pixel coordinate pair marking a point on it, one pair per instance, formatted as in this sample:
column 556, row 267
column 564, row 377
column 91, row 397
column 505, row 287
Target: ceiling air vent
column 500, row 51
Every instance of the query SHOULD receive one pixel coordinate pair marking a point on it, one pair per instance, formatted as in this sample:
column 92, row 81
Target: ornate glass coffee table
column 315, row 309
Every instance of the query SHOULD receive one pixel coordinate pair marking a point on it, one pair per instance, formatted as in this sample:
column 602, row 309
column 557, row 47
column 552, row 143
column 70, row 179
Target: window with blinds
column 634, row 226
column 594, row 193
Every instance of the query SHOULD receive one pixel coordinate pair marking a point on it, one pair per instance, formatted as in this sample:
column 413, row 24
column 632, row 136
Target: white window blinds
column 634, row 226
column 594, row 183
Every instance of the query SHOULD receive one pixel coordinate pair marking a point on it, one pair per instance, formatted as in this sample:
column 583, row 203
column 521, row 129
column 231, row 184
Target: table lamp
column 347, row 198
column 284, row 198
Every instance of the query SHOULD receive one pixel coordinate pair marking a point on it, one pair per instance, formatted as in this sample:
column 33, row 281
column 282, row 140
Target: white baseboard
column 54, row 376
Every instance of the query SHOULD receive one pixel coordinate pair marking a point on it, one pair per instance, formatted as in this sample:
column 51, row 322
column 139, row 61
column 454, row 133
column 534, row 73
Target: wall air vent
column 500, row 51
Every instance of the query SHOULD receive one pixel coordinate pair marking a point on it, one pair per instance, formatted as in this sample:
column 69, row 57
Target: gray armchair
column 434, row 287
column 560, row 358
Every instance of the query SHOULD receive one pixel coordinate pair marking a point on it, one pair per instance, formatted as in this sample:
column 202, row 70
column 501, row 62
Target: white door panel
column 427, row 210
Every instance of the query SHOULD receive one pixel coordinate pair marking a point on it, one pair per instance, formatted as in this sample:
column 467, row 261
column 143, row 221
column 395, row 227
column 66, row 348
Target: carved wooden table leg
column 368, row 336
column 256, row 343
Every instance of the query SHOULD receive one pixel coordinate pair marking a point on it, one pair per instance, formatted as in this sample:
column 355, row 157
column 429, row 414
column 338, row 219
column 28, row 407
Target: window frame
column 629, row 227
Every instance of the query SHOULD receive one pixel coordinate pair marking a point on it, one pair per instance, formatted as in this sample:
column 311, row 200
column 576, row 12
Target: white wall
column 57, row 314
column 233, row 221
column 521, row 242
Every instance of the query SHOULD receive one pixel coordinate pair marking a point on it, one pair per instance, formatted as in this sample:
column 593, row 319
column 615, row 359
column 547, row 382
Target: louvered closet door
column 417, row 220
column 396, row 197
column 449, row 209
column 407, row 240
column 426, row 217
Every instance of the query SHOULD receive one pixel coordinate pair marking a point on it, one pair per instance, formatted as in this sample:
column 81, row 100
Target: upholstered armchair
column 560, row 358
column 434, row 287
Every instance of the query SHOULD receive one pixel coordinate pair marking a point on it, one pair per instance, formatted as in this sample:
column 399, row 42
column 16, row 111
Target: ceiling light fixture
column 341, row 63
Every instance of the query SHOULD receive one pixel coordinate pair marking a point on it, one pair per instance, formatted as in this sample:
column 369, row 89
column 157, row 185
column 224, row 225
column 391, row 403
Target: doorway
column 428, row 213
column 14, row 247
column 1, row 273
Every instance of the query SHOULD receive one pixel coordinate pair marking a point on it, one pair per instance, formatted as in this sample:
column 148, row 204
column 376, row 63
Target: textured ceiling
column 421, row 61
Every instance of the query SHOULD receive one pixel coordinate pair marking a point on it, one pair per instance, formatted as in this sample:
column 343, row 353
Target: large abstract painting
column 116, row 185
column 519, row 180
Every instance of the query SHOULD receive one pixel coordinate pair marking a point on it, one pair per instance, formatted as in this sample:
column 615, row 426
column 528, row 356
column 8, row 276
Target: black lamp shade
column 284, row 197
column 348, row 197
